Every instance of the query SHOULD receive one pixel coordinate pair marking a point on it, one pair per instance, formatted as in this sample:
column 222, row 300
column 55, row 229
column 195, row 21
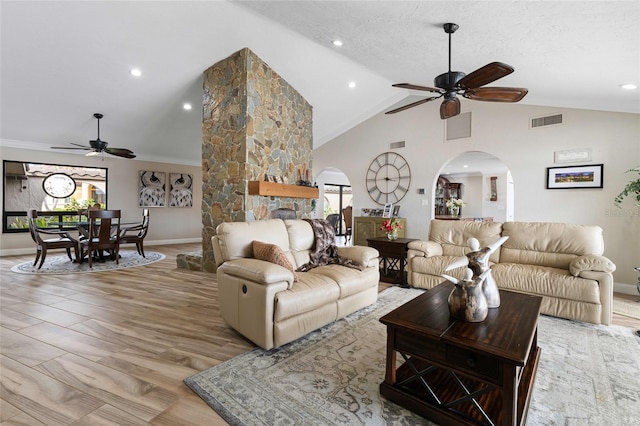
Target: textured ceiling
column 63, row 61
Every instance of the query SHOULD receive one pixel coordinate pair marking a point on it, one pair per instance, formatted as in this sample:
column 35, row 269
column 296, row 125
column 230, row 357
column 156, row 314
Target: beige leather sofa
column 262, row 301
column 561, row 262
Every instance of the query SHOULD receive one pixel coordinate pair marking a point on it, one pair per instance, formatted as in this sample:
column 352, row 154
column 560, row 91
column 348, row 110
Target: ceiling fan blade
column 416, row 87
column 85, row 148
column 449, row 108
column 485, row 75
column 496, row 94
column 77, row 144
column 120, row 152
column 411, row 105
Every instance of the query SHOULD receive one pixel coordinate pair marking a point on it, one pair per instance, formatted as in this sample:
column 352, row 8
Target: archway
column 335, row 195
column 482, row 181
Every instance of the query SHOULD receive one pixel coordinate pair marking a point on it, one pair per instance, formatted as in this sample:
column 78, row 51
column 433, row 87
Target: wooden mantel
column 273, row 189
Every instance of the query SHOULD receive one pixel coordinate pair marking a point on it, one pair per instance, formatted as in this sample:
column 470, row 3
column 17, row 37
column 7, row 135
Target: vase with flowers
column 454, row 204
column 391, row 226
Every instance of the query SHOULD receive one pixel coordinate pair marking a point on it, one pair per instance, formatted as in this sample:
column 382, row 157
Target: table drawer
column 417, row 345
column 472, row 362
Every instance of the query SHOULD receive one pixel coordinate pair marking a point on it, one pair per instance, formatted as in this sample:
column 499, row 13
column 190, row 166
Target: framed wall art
column 180, row 190
column 152, row 190
column 572, row 177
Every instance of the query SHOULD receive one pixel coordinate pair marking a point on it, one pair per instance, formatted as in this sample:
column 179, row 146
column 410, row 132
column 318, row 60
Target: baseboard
column 625, row 288
column 32, row 250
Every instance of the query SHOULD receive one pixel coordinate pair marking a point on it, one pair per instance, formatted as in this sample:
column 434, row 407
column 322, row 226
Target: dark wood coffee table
column 461, row 373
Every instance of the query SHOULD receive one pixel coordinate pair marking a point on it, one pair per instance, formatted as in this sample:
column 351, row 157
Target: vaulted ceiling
column 63, row 61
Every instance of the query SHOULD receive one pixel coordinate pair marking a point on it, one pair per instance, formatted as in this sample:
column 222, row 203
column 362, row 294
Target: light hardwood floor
column 113, row 347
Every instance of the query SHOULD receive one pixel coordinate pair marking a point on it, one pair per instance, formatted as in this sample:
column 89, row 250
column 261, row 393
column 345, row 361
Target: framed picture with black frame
column 396, row 210
column 575, row 177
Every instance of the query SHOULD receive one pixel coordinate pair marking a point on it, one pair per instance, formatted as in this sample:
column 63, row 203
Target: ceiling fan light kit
column 96, row 147
column 453, row 83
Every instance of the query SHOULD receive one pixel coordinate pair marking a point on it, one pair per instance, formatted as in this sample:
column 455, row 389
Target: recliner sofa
column 271, row 305
column 561, row 262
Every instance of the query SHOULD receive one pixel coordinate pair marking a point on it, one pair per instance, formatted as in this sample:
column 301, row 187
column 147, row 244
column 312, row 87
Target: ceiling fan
column 97, row 146
column 453, row 83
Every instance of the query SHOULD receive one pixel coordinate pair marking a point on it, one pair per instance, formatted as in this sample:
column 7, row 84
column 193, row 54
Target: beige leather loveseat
column 269, row 304
column 561, row 262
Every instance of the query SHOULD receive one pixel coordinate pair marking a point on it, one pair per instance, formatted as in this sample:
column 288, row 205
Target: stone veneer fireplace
column 254, row 124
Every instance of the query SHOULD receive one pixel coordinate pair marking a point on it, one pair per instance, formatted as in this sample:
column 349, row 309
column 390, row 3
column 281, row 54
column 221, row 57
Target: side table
column 393, row 258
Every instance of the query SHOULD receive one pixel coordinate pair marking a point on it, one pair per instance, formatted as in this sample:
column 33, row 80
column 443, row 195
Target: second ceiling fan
column 453, row 83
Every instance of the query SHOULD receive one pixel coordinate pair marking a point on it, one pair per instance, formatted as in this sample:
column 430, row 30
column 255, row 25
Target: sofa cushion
column 350, row 281
column 310, row 292
column 235, row 239
column 274, row 254
column 453, row 235
column 549, row 244
column 435, row 265
column 545, row 281
column 301, row 240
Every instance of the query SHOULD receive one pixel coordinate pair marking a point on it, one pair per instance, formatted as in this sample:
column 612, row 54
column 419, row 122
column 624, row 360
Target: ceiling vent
column 396, row 145
column 549, row 120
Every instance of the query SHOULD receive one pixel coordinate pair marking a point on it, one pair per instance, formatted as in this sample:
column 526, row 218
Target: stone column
column 254, row 124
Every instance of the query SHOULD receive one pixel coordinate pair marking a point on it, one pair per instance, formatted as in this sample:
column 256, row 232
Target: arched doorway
column 335, row 195
column 482, row 181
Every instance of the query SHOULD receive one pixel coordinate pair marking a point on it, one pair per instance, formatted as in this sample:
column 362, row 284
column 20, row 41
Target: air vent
column 549, row 120
column 396, row 145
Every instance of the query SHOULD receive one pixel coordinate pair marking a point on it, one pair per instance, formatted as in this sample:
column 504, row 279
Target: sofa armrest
column 591, row 262
column 258, row 271
column 362, row 255
column 425, row 248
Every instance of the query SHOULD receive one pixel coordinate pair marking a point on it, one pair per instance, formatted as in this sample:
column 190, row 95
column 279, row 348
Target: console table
column 462, row 373
column 365, row 227
column 393, row 258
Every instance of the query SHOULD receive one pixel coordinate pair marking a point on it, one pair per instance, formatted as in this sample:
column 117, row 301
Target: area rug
column 628, row 308
column 62, row 264
column 588, row 375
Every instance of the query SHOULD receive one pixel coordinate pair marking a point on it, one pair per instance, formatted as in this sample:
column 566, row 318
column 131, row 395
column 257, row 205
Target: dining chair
column 347, row 215
column 104, row 234
column 135, row 234
column 63, row 239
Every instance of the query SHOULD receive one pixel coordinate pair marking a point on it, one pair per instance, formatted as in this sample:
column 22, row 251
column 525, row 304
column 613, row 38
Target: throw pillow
column 274, row 254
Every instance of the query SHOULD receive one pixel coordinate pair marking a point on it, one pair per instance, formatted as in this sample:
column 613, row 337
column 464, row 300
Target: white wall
column 503, row 131
column 167, row 224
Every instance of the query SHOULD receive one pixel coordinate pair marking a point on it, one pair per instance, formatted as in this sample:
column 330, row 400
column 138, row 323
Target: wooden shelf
column 273, row 189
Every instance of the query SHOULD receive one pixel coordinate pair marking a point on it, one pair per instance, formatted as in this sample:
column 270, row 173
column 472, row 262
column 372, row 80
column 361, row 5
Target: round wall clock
column 388, row 178
column 59, row 185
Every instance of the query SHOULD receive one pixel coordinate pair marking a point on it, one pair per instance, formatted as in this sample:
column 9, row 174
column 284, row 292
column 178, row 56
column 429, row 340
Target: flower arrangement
column 454, row 202
column 391, row 228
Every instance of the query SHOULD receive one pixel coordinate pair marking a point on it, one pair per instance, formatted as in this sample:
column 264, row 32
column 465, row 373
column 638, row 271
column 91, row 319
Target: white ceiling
column 63, row 61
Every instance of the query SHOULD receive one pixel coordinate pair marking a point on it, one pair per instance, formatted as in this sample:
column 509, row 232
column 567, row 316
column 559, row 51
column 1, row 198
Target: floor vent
column 549, row 120
column 396, row 145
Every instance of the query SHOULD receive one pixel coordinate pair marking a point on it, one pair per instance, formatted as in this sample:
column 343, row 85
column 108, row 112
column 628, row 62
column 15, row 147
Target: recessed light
column 629, row 86
column 352, row 85
column 135, row 72
column 465, row 166
column 337, row 43
column 186, row 106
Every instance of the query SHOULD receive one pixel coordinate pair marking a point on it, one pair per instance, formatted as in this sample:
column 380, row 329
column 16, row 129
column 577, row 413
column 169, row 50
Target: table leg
column 390, row 375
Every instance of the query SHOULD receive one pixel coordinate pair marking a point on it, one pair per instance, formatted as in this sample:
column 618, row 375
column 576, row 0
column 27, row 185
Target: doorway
column 482, row 181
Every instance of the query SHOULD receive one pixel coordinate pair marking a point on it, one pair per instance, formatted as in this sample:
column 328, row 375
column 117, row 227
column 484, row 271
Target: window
column 60, row 190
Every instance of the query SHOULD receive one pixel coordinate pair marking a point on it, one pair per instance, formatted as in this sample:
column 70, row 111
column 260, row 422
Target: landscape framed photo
column 575, row 177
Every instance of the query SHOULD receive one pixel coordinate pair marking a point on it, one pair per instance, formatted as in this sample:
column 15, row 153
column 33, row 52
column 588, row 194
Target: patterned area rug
column 62, row 264
column 588, row 375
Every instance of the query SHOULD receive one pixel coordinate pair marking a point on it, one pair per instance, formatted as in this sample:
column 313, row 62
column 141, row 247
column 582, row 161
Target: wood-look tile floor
column 112, row 348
